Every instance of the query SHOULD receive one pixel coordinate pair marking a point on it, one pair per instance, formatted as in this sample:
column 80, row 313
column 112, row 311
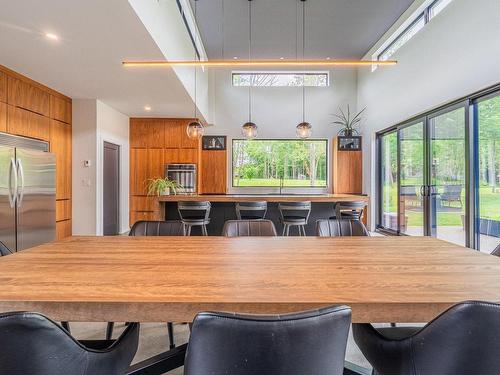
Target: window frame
column 278, row 73
column 308, row 188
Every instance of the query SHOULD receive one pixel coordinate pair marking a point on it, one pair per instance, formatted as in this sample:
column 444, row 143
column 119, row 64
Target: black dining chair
column 311, row 343
column 155, row 228
column 463, row 340
column 249, row 228
column 349, row 210
column 194, row 214
column 294, row 214
column 254, row 210
column 337, row 228
column 32, row 344
column 4, row 251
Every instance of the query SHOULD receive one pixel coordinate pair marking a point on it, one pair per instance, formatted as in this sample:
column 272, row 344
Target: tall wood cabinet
column 347, row 170
column 32, row 110
column 154, row 143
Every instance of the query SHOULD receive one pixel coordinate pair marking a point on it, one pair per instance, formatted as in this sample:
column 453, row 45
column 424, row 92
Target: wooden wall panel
column 188, row 155
column 3, row 87
column 28, row 124
column 138, row 134
column 63, row 210
column 347, row 171
column 24, row 95
column 156, row 166
column 60, row 144
column 60, row 109
column 147, row 133
column 63, row 229
column 138, row 171
column 213, row 172
column 3, row 117
column 171, row 155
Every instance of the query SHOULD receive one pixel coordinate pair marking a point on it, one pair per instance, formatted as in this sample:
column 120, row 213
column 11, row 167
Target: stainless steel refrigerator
column 27, row 194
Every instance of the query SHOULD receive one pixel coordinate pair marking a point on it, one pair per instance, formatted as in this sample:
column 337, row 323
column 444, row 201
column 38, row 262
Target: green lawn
column 262, row 182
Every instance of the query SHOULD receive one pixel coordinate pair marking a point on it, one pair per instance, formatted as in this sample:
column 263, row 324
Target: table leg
column 352, row 369
column 161, row 363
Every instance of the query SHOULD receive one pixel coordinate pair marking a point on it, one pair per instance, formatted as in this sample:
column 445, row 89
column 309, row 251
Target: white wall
column 84, row 178
column 113, row 127
column 457, row 53
column 93, row 123
column 278, row 110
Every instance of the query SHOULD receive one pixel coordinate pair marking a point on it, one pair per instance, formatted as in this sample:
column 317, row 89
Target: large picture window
column 280, row 162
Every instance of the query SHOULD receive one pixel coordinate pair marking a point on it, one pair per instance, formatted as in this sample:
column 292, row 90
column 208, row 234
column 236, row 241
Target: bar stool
column 294, row 214
column 194, row 214
column 251, row 210
column 349, row 210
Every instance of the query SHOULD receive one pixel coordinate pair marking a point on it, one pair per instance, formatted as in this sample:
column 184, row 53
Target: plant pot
column 166, row 192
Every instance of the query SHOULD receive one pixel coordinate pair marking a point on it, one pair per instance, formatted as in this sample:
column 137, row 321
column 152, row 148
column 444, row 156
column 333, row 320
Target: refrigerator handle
column 12, row 195
column 21, row 193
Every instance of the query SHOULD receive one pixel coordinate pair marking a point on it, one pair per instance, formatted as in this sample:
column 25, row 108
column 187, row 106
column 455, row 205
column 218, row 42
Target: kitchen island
column 223, row 207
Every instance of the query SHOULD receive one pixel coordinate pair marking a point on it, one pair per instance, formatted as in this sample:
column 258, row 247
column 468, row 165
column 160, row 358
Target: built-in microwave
column 185, row 175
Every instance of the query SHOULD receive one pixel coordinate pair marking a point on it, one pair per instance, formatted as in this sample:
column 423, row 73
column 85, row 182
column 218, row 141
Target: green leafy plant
column 348, row 122
column 159, row 186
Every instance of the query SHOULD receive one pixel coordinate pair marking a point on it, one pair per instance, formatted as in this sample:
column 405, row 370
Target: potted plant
column 162, row 186
column 347, row 122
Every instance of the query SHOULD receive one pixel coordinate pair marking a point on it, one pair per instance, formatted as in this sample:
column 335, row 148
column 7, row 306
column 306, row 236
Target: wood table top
column 319, row 198
column 158, row 279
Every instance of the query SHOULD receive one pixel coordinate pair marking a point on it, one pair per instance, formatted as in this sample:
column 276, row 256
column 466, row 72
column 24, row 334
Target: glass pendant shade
column 195, row 130
column 304, row 130
column 249, row 130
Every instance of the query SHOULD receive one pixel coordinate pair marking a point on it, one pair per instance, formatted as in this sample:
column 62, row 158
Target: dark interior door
column 111, row 189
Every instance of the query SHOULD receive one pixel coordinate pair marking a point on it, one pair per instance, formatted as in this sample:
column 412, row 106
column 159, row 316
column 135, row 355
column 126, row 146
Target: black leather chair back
column 496, row 252
column 244, row 228
column 337, row 228
column 464, row 340
column 157, row 228
column 4, row 250
column 311, row 343
column 31, row 344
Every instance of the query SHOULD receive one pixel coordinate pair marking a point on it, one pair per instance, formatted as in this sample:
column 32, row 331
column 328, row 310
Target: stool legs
column 170, row 327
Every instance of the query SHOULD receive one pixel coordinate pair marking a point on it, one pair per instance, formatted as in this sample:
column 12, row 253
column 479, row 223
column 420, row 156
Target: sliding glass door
column 447, row 175
column 412, row 177
column 389, row 181
column 487, row 119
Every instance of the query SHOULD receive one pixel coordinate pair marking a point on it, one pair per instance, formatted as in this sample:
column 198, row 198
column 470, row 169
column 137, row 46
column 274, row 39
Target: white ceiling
column 96, row 35
column 342, row 29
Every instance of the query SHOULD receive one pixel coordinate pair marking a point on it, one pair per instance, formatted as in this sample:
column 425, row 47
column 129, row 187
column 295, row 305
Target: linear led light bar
column 257, row 63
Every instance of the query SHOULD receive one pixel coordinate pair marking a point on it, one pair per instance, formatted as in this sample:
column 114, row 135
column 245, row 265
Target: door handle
column 21, row 193
column 12, row 196
column 422, row 191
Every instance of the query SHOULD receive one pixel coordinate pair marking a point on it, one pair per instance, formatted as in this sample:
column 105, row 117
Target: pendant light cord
column 195, row 55
column 303, row 58
column 249, row 59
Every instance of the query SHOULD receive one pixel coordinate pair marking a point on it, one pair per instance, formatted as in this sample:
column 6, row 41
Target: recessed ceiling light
column 147, row 108
column 51, row 36
column 235, row 58
column 328, row 58
column 282, row 58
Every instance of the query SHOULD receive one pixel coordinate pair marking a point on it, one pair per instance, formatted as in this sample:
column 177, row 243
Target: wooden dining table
column 160, row 279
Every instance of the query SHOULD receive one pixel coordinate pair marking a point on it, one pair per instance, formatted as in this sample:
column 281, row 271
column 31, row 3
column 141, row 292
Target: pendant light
column 304, row 129
column 249, row 130
column 195, row 129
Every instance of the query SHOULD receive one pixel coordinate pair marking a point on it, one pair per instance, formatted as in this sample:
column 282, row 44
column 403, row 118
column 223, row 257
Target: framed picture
column 349, row 143
column 214, row 142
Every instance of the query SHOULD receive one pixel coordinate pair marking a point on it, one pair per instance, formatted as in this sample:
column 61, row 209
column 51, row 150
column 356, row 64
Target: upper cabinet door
column 24, row 95
column 147, row 133
column 60, row 109
column 173, row 134
column 3, row 117
column 60, row 145
column 3, row 87
column 28, row 124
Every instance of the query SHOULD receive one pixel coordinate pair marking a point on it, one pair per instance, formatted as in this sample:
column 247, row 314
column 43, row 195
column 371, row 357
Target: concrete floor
column 154, row 340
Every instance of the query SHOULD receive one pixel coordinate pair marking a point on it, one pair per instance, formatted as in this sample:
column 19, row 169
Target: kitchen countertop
column 266, row 197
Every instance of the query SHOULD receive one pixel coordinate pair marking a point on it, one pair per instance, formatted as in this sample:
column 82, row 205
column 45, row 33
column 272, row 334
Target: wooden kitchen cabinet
column 27, row 124
column 60, row 145
column 3, row 117
column 60, row 109
column 3, row 87
column 138, row 171
column 25, row 95
column 147, row 133
column 173, row 134
column 213, row 174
